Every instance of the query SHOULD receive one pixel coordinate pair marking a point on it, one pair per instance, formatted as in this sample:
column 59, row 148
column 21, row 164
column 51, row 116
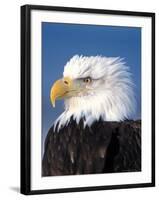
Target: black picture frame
column 26, row 98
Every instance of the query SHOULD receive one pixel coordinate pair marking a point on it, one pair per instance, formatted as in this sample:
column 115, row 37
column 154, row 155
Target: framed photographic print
column 87, row 99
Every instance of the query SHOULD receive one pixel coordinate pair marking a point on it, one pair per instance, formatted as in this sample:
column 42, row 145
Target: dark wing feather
column 103, row 148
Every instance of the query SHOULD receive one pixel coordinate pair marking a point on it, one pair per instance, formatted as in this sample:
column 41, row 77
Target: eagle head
column 94, row 88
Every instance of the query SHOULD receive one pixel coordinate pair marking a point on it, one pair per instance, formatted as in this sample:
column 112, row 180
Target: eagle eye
column 87, row 80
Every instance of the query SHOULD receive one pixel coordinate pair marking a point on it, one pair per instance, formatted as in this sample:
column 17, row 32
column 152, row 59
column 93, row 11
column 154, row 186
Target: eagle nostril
column 66, row 82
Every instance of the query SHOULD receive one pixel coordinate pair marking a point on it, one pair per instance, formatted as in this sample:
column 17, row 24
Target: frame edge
column 153, row 97
column 25, row 101
column 89, row 10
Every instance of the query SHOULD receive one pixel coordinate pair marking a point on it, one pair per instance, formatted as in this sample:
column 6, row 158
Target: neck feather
column 105, row 106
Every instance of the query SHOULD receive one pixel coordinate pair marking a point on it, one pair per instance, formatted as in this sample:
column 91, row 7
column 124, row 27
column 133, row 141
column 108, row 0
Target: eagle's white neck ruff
column 112, row 100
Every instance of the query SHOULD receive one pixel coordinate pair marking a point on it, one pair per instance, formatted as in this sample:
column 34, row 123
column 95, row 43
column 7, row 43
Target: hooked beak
column 62, row 88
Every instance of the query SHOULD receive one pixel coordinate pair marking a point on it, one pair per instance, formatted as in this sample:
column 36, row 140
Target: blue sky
column 61, row 41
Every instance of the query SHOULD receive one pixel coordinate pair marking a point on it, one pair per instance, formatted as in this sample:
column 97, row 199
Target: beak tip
column 53, row 104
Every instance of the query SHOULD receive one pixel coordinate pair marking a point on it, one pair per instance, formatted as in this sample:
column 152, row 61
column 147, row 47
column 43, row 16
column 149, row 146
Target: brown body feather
column 106, row 147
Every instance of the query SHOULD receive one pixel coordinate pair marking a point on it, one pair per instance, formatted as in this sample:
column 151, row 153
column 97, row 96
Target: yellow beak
column 60, row 89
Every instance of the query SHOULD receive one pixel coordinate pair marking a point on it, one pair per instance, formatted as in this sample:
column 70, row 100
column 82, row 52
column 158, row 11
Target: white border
column 40, row 183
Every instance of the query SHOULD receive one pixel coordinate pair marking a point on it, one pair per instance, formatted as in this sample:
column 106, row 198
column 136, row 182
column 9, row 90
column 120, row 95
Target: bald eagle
column 96, row 132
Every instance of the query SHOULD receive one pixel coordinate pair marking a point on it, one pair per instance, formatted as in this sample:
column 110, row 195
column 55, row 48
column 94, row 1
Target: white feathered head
column 95, row 88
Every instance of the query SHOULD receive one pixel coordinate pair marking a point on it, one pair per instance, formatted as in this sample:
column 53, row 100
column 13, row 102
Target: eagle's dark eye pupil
column 87, row 80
